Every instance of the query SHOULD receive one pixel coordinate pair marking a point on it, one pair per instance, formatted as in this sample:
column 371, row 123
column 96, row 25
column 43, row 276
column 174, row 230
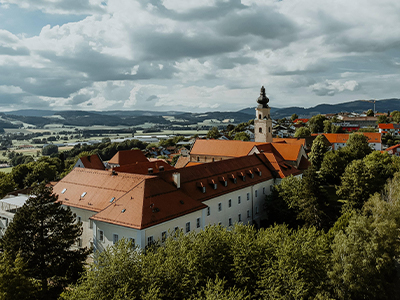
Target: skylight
column 112, row 199
column 63, row 191
column 83, row 194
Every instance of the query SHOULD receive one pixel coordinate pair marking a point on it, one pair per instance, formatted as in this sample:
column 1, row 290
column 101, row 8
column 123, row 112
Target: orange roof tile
column 93, row 189
column 290, row 141
column 392, row 147
column 226, row 148
column 126, row 157
column 92, row 162
column 373, row 137
column 182, row 162
column 386, row 126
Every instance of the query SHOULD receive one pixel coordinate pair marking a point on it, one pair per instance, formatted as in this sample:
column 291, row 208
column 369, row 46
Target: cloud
column 330, row 88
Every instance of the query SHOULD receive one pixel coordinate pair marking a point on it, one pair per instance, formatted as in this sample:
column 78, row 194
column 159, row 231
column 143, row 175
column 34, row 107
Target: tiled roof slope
column 373, row 137
column 193, row 178
column 126, row 157
column 143, row 167
column 92, row 162
column 142, row 201
column 229, row 148
column 100, row 187
column 154, row 201
column 299, row 141
column 182, row 162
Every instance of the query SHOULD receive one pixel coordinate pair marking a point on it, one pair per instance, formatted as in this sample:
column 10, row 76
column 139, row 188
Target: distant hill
column 138, row 117
column 358, row 106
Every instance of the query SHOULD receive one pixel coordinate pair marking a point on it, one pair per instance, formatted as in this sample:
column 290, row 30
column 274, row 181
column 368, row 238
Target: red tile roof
column 182, row 162
column 373, row 137
column 142, row 201
column 126, row 157
column 290, row 141
column 225, row 148
column 92, row 162
column 386, row 126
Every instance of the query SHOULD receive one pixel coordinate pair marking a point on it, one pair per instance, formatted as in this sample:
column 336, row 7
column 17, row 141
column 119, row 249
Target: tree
column 14, row 284
column 213, row 133
column 43, row 232
column 7, row 184
column 49, row 149
column 383, row 119
column 302, row 132
column 294, row 117
column 370, row 113
column 316, row 123
column 333, row 165
column 327, row 126
column 242, row 136
column 318, row 150
column 357, row 146
column 395, row 116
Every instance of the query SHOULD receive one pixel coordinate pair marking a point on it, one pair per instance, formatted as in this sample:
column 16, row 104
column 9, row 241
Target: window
column 248, row 213
column 256, row 209
column 208, row 211
column 230, row 221
column 63, row 191
column 219, row 206
column 229, row 203
column 79, row 242
column 101, row 235
column 240, row 217
column 115, row 238
column 263, row 190
column 255, row 193
column 198, row 158
column 91, row 224
column 239, row 200
column 271, row 187
column 163, row 236
column 248, row 196
column 150, row 240
column 198, row 223
column 78, row 219
column 176, row 228
column 83, row 194
column 187, row 226
column 260, row 130
column 132, row 240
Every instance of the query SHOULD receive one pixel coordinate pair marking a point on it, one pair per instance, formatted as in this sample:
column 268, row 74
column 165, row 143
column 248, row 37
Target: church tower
column 263, row 121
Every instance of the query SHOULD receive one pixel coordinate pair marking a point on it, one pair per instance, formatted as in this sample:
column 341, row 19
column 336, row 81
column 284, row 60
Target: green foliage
column 242, row 136
column 395, row 116
column 294, row 117
column 370, row 113
column 363, row 178
column 302, row 132
column 383, row 119
column 358, row 146
column 7, row 184
column 42, row 232
column 175, row 159
column 333, row 165
column 49, row 149
column 327, row 126
column 14, row 284
column 318, row 150
column 316, row 123
column 213, row 133
column 303, row 197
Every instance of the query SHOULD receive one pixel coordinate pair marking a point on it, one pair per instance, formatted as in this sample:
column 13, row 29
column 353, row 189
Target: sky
column 198, row 56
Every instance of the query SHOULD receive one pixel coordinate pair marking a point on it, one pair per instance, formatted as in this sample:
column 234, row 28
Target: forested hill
column 358, row 106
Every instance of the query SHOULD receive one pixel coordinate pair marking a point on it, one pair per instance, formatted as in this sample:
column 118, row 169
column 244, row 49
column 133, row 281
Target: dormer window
column 150, row 170
column 201, row 186
column 223, row 180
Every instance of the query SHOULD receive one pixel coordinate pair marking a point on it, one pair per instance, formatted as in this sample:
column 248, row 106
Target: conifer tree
column 42, row 232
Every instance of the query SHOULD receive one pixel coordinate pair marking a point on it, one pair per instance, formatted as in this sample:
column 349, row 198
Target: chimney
column 176, row 177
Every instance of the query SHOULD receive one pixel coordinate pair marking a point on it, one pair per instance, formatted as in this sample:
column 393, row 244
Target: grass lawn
column 6, row 170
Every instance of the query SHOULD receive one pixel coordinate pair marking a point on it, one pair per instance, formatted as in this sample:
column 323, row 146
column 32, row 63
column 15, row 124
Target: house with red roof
column 393, row 129
column 91, row 162
column 394, row 150
column 339, row 140
column 147, row 207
